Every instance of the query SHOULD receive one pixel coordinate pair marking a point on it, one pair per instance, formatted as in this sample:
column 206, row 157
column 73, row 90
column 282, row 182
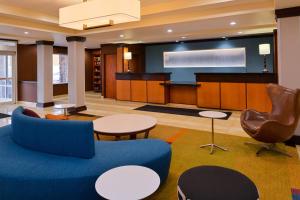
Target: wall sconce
column 264, row 49
column 128, row 57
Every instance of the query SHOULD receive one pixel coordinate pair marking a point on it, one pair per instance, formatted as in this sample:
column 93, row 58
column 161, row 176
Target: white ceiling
column 194, row 19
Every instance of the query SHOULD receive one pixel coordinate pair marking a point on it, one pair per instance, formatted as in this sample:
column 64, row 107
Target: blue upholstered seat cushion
column 67, row 138
column 27, row 174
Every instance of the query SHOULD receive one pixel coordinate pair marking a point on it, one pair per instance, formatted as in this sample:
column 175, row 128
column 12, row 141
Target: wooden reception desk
column 234, row 91
column 142, row 87
column 230, row 91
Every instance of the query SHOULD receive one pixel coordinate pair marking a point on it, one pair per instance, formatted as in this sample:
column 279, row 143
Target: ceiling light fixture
column 121, row 36
column 169, row 30
column 224, row 37
column 240, row 32
column 232, row 23
column 26, row 32
column 99, row 13
column 183, row 37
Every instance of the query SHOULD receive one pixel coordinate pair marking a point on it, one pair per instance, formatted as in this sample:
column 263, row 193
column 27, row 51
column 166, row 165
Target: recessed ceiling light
column 224, row 37
column 240, row 32
column 26, row 32
column 169, row 30
column 232, row 23
column 177, row 41
column 183, row 37
column 121, row 35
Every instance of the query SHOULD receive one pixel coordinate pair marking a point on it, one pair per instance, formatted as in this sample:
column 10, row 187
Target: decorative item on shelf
column 99, row 13
column 97, row 73
column 128, row 57
column 264, row 49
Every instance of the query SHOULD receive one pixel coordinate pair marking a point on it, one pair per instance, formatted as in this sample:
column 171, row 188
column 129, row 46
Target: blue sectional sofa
column 49, row 160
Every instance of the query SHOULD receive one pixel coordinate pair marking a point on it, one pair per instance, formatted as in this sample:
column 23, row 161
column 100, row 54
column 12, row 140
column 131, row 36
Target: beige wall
column 289, row 53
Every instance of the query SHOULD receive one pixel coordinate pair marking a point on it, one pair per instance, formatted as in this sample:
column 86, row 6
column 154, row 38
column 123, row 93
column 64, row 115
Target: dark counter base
column 181, row 84
column 143, row 76
column 237, row 77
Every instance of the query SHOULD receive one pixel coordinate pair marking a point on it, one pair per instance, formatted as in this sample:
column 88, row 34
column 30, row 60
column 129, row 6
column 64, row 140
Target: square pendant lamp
column 99, row 13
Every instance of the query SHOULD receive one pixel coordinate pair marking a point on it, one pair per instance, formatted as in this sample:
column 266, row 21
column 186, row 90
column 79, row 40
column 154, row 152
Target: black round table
column 215, row 183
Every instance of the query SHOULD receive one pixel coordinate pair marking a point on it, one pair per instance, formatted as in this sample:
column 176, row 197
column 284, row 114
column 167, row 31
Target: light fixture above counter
column 99, row 13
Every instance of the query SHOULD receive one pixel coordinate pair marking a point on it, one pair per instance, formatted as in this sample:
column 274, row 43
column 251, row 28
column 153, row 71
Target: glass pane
column 63, row 63
column 2, row 90
column 2, row 66
column 9, row 89
column 60, row 68
column 55, row 68
column 9, row 66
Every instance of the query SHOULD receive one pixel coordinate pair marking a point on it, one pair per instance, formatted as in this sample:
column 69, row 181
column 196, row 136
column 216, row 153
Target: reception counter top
column 143, row 76
column 181, row 83
column 237, row 77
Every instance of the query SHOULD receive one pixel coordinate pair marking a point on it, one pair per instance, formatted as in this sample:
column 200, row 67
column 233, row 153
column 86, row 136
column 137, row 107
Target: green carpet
column 273, row 174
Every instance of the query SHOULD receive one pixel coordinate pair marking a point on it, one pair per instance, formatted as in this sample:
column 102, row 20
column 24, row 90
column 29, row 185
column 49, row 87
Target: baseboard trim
column 44, row 105
column 77, row 109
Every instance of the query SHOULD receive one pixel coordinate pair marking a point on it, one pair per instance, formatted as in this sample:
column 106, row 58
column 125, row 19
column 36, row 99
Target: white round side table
column 64, row 107
column 213, row 115
column 127, row 183
column 124, row 124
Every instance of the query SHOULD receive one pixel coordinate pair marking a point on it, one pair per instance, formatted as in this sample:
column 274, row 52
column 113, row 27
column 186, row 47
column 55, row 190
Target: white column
column 288, row 53
column 44, row 73
column 76, row 72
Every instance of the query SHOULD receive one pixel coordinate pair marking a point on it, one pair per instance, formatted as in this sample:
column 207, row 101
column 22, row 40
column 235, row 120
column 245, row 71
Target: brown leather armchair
column 278, row 125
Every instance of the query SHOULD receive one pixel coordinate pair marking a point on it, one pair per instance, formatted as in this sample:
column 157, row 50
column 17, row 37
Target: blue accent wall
column 254, row 61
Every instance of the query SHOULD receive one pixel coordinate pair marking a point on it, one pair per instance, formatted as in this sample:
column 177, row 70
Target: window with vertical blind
column 60, row 68
column 5, row 78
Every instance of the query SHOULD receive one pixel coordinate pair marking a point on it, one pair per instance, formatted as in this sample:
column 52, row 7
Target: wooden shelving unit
column 97, row 77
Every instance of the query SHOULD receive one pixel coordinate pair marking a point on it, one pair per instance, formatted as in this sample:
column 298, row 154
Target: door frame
column 12, row 51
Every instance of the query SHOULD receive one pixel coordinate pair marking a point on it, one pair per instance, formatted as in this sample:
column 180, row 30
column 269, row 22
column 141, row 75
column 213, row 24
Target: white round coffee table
column 127, row 183
column 213, row 115
column 64, row 107
column 124, row 124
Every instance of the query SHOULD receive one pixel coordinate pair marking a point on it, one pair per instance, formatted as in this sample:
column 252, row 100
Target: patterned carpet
column 273, row 174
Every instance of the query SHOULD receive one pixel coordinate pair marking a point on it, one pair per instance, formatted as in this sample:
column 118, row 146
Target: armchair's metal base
column 268, row 147
column 212, row 147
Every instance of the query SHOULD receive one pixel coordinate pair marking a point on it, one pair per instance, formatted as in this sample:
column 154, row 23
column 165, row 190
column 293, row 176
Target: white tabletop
column 127, row 183
column 212, row 114
column 124, row 123
column 64, row 106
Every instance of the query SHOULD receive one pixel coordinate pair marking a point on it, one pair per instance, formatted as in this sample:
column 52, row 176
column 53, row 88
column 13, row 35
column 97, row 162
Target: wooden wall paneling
column 123, row 90
column 60, row 89
column 139, row 90
column 27, row 62
column 126, row 62
column 208, row 95
column 183, row 95
column 110, row 74
column 156, row 92
column 275, row 68
column 88, row 70
column 27, row 91
column 233, row 96
column 257, row 97
column 60, row 50
column 137, row 64
column 106, row 49
column 120, row 59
